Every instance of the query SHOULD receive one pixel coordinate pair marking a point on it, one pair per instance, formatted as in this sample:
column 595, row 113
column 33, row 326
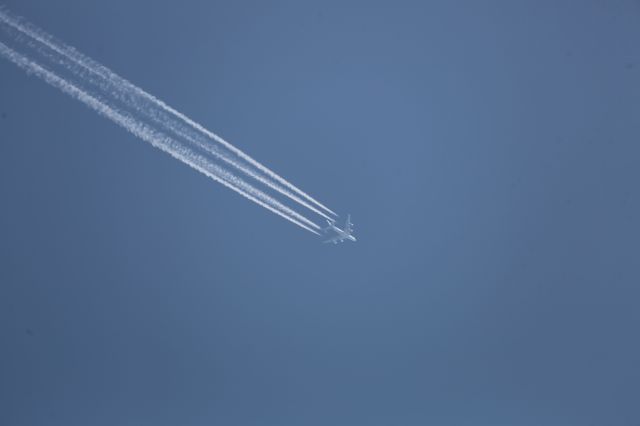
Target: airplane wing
column 348, row 227
column 328, row 227
column 334, row 240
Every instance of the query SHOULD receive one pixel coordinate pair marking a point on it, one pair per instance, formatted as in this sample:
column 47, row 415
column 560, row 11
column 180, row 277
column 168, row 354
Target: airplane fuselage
column 349, row 237
column 342, row 235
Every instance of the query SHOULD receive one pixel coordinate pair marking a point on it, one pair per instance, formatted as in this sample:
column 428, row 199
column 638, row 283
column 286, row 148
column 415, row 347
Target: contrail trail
column 122, row 88
column 164, row 120
column 158, row 139
column 161, row 118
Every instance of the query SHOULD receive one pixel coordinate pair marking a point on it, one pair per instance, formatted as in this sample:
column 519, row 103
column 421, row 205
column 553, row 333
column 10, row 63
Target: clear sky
column 487, row 151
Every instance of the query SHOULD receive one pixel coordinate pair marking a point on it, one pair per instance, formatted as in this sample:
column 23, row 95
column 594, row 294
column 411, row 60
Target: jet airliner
column 341, row 234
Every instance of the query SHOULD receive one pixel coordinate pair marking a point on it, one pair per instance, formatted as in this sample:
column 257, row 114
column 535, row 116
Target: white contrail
column 164, row 120
column 161, row 118
column 121, row 83
column 158, row 139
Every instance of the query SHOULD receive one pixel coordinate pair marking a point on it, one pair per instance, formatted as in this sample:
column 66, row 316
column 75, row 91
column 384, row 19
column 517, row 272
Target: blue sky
column 488, row 154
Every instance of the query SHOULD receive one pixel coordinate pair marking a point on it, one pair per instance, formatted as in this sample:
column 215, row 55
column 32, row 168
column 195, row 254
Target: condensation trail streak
column 123, row 88
column 158, row 139
column 161, row 119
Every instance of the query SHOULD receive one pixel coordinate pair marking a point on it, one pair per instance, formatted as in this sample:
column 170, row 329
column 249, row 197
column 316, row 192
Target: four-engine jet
column 341, row 234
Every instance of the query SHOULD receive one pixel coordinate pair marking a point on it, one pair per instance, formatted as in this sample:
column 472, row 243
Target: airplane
column 341, row 234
